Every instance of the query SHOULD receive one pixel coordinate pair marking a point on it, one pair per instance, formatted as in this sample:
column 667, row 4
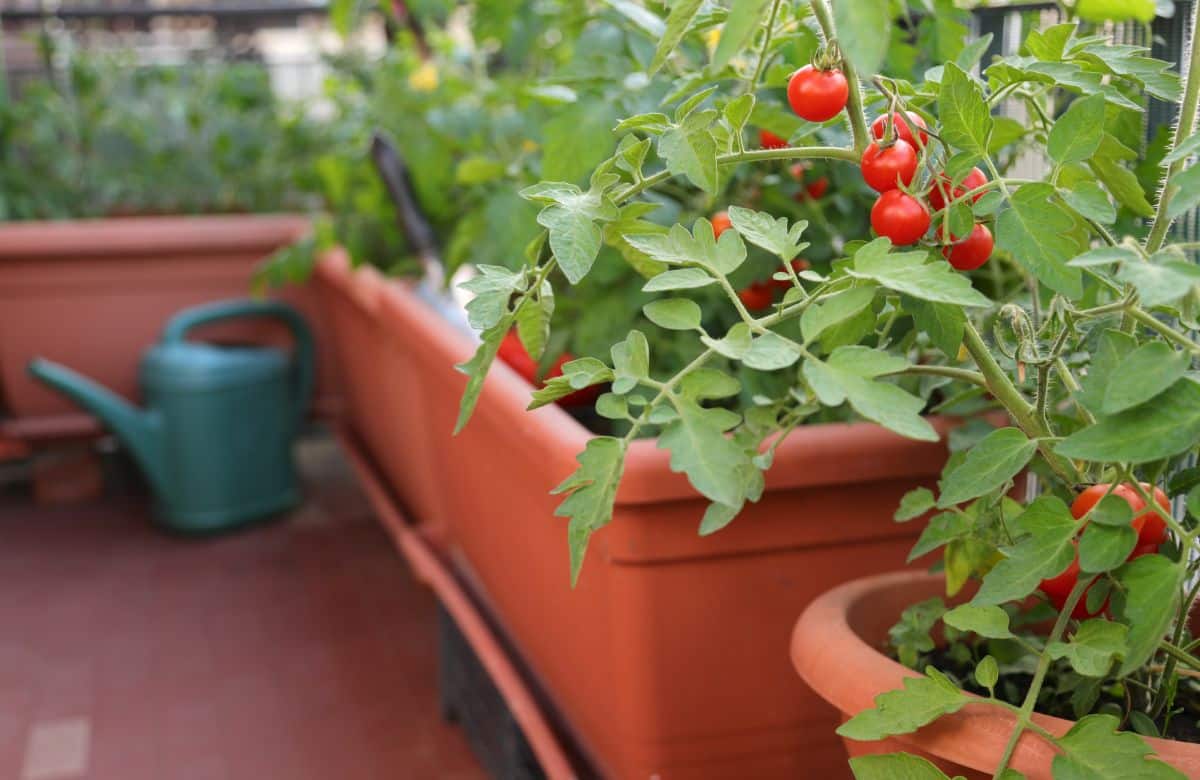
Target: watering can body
column 215, row 439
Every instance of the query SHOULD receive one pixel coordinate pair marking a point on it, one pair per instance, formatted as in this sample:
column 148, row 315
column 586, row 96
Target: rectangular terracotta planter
column 670, row 658
column 94, row 294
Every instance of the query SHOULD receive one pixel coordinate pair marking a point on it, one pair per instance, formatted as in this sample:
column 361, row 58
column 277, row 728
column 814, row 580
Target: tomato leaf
column 477, row 367
column 1165, row 426
column 673, row 313
column 1093, row 748
column 989, row 465
column 1038, row 234
column 700, row 449
column 895, row 766
column 591, row 491
column 1093, row 648
column 678, row 21
column 1146, row 372
column 744, row 18
column 1105, row 547
column 1043, row 550
column 864, row 31
column 908, row 273
column 1151, row 586
column 988, row 621
column 849, row 377
column 915, row 503
column 768, row 232
column 1076, row 134
column 921, row 701
column 833, row 310
column 966, row 120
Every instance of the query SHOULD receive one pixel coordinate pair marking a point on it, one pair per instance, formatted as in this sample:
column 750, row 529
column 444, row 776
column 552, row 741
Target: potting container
column 94, row 295
column 669, row 658
column 837, row 650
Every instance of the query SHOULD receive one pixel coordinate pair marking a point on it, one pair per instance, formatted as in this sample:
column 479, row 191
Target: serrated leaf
column 745, row 16
column 1168, row 426
column 908, row 273
column 987, row 672
column 921, row 701
column 678, row 21
column 734, row 344
column 1151, row 585
column 941, row 530
column 571, row 217
column 1102, row 256
column 1111, row 510
column 1037, row 232
column 533, row 321
column 864, row 31
column 591, row 491
column 1076, row 134
column 836, row 382
column 577, row 374
column 1104, row 547
column 1159, row 283
column 771, row 352
column 987, row 621
column 943, row 323
column 1119, row 180
column 631, row 361
column 708, row 383
column 476, row 369
column 1144, row 373
column 678, row 247
column 1094, row 750
column 673, row 313
column 966, row 120
column 738, row 110
column 700, row 449
column 770, row 233
column 914, row 503
column 491, row 290
column 717, row 516
column 833, row 310
column 1093, row 648
column 1089, row 200
column 894, row 766
column 989, row 465
column 1043, row 550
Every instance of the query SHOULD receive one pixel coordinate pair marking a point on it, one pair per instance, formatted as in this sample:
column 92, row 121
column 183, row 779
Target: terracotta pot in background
column 836, row 649
column 669, row 658
column 95, row 294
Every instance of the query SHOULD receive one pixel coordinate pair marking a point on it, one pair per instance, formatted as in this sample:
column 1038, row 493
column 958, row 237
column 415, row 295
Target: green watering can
column 216, row 437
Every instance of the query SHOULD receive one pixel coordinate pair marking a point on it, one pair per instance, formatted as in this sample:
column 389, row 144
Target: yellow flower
column 424, row 78
column 529, row 146
column 711, row 38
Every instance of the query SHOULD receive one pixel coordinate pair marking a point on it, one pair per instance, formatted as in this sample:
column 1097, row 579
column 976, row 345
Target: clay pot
column 668, row 657
column 95, row 294
column 836, row 649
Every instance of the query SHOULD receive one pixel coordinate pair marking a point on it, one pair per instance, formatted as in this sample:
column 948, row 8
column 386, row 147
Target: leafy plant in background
column 106, row 136
column 1078, row 327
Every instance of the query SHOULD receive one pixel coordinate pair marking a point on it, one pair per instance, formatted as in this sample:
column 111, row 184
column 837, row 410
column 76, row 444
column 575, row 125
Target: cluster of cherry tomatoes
column 889, row 166
column 1151, row 532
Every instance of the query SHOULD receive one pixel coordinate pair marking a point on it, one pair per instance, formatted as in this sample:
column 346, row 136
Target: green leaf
column 492, row 288
column 576, row 139
column 1093, row 648
column 734, row 344
column 1146, row 372
column 717, row 516
column 678, row 21
column 738, row 110
column 679, row 279
column 1089, row 200
column 987, row 673
column 1043, row 550
column 1151, row 586
column 674, row 313
column 571, row 215
column 476, row 369
column 744, row 17
column 771, row 352
column 908, row 273
column 1105, row 255
column 705, row 383
column 591, row 491
column 912, row 634
column 833, row 310
column 679, row 247
column 915, row 503
column 941, row 529
column 1188, row 147
column 645, row 20
column 966, row 120
column 943, row 323
column 773, row 235
column 690, row 150
column 533, row 321
column 987, row 621
column 577, row 374
column 1076, row 134
column 989, row 465
column 700, row 449
column 1112, row 511
column 1158, row 282
column 1038, row 233
column 894, row 766
column 921, row 701
column 1184, row 188
column 1119, row 180
column 1111, row 348
column 1168, row 426
column 1116, row 10
column 631, row 362
column 1094, row 750
column 847, row 377
column 1105, row 547
column 864, row 31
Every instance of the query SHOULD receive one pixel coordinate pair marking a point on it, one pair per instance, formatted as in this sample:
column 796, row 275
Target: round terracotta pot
column 835, row 648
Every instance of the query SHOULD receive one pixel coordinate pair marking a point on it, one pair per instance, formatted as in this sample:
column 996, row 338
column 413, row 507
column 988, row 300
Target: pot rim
column 848, row 672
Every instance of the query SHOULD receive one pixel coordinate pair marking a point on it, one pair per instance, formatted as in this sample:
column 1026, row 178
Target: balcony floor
column 298, row 649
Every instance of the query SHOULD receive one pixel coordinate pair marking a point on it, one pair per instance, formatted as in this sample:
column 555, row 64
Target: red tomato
column 797, row 170
column 585, row 397
column 1058, row 588
column 1142, row 549
column 798, row 264
column 768, row 140
column 971, row 181
column 513, row 353
column 814, row 189
column 904, row 124
column 887, row 168
column 900, row 217
column 1151, row 528
column 817, row 95
column 971, row 252
column 720, row 223
column 757, row 296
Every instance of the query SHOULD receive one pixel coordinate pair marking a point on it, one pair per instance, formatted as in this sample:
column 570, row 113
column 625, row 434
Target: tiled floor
column 300, row 649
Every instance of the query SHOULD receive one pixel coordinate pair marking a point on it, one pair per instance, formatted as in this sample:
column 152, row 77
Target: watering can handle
column 179, row 325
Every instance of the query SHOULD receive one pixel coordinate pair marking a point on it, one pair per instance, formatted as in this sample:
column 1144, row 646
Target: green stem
column 961, row 374
column 1183, row 128
column 762, row 57
column 854, row 104
column 1164, row 330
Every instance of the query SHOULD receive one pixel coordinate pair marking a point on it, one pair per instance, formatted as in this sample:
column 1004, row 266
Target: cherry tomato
column 886, row 168
column 971, row 252
column 798, row 264
column 900, row 217
column 904, row 124
column 971, row 181
column 797, row 170
column 757, row 296
column 1142, row 549
column 720, row 223
column 1151, row 528
column 1058, row 588
column 768, row 140
column 817, row 95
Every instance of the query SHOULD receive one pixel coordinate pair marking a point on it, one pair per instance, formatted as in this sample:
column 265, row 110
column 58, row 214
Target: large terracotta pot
column 836, row 649
column 94, row 294
column 669, row 658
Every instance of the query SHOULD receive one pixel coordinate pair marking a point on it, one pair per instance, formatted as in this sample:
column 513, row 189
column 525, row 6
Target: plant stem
column 762, row 57
column 1166, row 331
column 854, row 104
column 961, row 374
column 1183, row 128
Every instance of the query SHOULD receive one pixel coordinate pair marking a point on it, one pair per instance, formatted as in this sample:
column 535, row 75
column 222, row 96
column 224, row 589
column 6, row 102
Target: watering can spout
column 138, row 430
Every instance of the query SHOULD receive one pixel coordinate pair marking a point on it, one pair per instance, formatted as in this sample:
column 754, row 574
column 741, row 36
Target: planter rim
column 847, row 671
column 813, row 455
column 75, row 239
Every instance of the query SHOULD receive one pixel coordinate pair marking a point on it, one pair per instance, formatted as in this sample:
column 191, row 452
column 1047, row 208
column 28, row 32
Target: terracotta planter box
column 670, row 657
column 835, row 648
column 94, row 294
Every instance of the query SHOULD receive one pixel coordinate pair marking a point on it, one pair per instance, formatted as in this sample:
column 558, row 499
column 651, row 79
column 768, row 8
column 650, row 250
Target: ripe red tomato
column 900, row 217
column 904, row 127
column 1142, row 549
column 513, row 353
column 798, row 264
column 1151, row 528
column 797, row 170
column 720, row 223
column 814, row 190
column 817, row 95
column 886, row 168
column 757, row 296
column 1058, row 588
column 971, row 252
column 971, row 181
column 768, row 140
